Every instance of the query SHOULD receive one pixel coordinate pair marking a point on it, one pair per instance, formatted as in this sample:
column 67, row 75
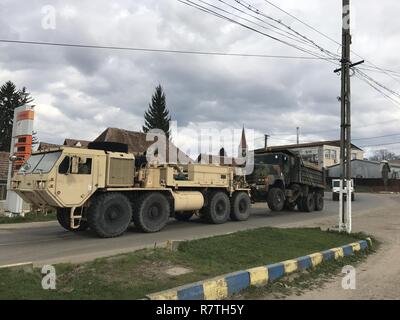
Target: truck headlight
column 14, row 184
column 41, row 184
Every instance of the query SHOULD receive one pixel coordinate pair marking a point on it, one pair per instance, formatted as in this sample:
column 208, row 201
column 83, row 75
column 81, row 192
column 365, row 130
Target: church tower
column 243, row 148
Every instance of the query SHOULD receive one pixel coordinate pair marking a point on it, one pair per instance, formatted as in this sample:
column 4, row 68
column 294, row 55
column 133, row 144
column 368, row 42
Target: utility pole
column 298, row 135
column 345, row 126
column 266, row 136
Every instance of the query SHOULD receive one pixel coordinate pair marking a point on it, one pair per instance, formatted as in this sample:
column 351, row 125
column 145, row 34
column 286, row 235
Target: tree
column 157, row 116
column 10, row 99
column 384, row 154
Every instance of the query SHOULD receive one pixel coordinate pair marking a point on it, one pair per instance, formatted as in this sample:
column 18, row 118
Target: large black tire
column 63, row 220
column 152, row 212
column 109, row 214
column 184, row 216
column 319, row 201
column 289, row 206
column 309, row 202
column 276, row 199
column 240, row 206
column 299, row 202
column 218, row 208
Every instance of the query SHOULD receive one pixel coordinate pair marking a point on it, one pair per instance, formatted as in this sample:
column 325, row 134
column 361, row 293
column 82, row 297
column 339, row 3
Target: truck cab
column 270, row 170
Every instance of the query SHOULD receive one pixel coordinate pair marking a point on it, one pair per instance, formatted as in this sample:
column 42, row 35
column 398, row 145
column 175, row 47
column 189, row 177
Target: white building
column 321, row 153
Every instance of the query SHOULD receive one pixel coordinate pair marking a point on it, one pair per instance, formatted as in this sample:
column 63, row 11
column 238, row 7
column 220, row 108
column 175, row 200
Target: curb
column 17, row 266
column 222, row 287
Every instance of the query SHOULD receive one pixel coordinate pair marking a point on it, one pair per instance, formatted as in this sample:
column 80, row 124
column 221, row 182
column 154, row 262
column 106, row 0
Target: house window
column 327, row 154
column 333, row 155
column 353, row 156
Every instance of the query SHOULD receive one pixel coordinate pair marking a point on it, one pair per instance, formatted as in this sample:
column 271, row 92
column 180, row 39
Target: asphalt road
column 48, row 243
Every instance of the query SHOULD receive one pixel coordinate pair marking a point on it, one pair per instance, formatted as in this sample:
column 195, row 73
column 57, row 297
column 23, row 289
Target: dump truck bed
column 311, row 176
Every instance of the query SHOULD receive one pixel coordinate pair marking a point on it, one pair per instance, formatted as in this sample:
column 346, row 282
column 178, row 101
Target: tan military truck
column 105, row 191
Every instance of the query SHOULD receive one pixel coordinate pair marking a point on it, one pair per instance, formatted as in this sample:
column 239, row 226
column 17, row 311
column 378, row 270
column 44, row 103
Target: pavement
column 47, row 243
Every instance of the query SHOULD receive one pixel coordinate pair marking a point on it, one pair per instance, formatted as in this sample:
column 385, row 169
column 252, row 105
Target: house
column 46, row 146
column 136, row 142
column 138, row 145
column 76, row 143
column 67, row 142
column 3, row 174
column 365, row 169
column 321, row 153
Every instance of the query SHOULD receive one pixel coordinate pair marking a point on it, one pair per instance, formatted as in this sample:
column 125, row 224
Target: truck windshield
column 336, row 184
column 265, row 165
column 267, row 159
column 40, row 163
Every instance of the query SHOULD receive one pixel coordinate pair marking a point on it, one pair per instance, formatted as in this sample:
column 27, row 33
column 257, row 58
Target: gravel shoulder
column 378, row 277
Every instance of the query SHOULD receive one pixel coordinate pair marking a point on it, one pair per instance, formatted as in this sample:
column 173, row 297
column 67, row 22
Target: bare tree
column 384, row 154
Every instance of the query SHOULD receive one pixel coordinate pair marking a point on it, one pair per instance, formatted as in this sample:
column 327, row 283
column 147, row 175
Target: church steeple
column 243, row 145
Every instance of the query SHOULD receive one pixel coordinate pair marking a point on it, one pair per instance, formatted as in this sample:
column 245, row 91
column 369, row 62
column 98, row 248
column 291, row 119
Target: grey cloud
column 270, row 96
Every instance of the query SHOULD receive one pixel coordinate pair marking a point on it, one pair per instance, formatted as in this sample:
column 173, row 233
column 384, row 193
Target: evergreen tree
column 157, row 116
column 10, row 99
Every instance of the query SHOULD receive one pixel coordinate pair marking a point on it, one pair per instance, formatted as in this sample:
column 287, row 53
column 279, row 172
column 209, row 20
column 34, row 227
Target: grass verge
column 132, row 276
column 302, row 281
column 29, row 217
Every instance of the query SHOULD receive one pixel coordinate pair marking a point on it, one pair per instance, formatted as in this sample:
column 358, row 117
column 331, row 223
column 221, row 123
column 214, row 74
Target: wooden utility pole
column 345, row 132
column 298, row 135
column 345, row 125
column 266, row 136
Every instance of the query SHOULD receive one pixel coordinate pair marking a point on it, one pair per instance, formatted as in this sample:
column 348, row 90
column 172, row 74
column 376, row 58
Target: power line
column 281, row 32
column 210, row 11
column 304, row 23
column 378, row 137
column 380, row 145
column 87, row 46
column 335, row 130
column 379, row 84
column 367, row 81
column 248, row 6
column 394, row 73
column 371, row 64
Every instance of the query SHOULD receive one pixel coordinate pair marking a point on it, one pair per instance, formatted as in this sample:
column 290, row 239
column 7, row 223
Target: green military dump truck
column 285, row 182
column 105, row 188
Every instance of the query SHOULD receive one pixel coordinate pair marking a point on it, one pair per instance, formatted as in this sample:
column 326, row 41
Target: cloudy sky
column 79, row 92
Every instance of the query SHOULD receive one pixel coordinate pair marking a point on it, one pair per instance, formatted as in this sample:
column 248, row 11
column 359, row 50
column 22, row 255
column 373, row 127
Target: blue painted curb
column 225, row 286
